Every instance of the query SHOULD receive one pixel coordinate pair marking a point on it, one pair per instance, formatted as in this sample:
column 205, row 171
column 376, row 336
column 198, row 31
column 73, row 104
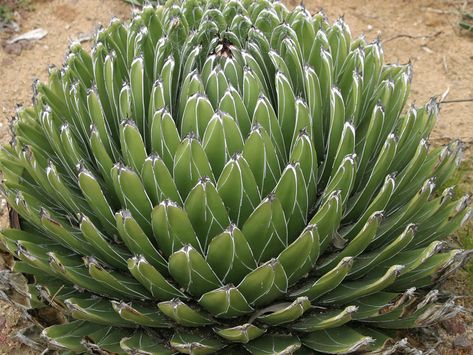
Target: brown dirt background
column 425, row 32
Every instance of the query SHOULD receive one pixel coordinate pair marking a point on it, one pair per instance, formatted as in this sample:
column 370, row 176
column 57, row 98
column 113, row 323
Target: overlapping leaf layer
column 230, row 176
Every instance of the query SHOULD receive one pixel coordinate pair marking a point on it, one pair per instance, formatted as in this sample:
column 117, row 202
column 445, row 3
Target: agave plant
column 145, row 2
column 230, row 176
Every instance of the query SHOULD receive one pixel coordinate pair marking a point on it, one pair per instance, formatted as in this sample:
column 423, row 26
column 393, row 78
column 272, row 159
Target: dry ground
column 425, row 32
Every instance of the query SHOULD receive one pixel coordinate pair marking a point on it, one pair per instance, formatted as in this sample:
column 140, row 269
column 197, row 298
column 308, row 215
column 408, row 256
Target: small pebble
column 14, row 48
column 454, row 325
column 462, row 342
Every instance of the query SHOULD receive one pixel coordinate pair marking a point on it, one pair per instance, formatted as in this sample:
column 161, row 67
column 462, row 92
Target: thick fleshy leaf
column 196, row 116
column 274, row 344
column 123, row 285
column 300, row 256
column 190, row 165
column 183, row 314
column 261, row 156
column 140, row 315
column 350, row 291
column 225, row 302
column 192, row 272
column 240, row 334
column 340, row 340
column 96, row 199
column 158, row 181
column 137, row 241
column 69, row 336
column 291, row 190
column 230, row 255
column 111, row 254
column 221, row 132
column 324, row 320
column 195, row 345
column 266, row 229
column 132, row 145
column 329, row 281
column 164, row 137
column 286, row 108
column 152, row 279
column 265, row 283
column 142, row 343
column 98, row 311
column 132, row 194
column 238, row 189
column 232, row 103
column 285, row 312
column 172, row 228
column 206, row 211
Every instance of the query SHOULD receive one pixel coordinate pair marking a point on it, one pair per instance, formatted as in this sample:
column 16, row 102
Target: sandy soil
column 423, row 31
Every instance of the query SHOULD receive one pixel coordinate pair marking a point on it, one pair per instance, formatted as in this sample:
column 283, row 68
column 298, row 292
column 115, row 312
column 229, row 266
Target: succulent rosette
column 230, row 176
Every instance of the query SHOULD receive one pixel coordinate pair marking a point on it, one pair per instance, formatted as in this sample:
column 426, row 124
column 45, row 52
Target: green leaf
column 286, row 108
column 367, row 261
column 133, row 196
column 327, row 219
column 191, row 85
column 265, row 116
column 64, row 234
column 304, row 153
column 192, row 272
column 325, row 320
column 172, row 228
column 232, row 103
column 132, row 145
column 291, row 191
column 194, row 344
column 313, row 96
column 260, row 154
column 216, row 85
column 327, row 282
column 206, row 212
column 240, row 334
column 109, row 253
column 152, row 279
column 340, row 340
column 164, row 137
column 230, row 255
column 142, row 343
column 158, row 181
column 221, row 140
column 300, row 256
column 182, row 314
column 238, row 190
column 285, row 312
column 356, row 246
column 264, row 284
column 190, row 165
column 350, row 291
column 68, row 336
column 122, row 284
column 97, row 200
column 137, row 241
column 98, row 311
column 137, row 84
column 274, row 344
column 140, row 315
column 266, row 229
column 225, row 302
column 196, row 116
